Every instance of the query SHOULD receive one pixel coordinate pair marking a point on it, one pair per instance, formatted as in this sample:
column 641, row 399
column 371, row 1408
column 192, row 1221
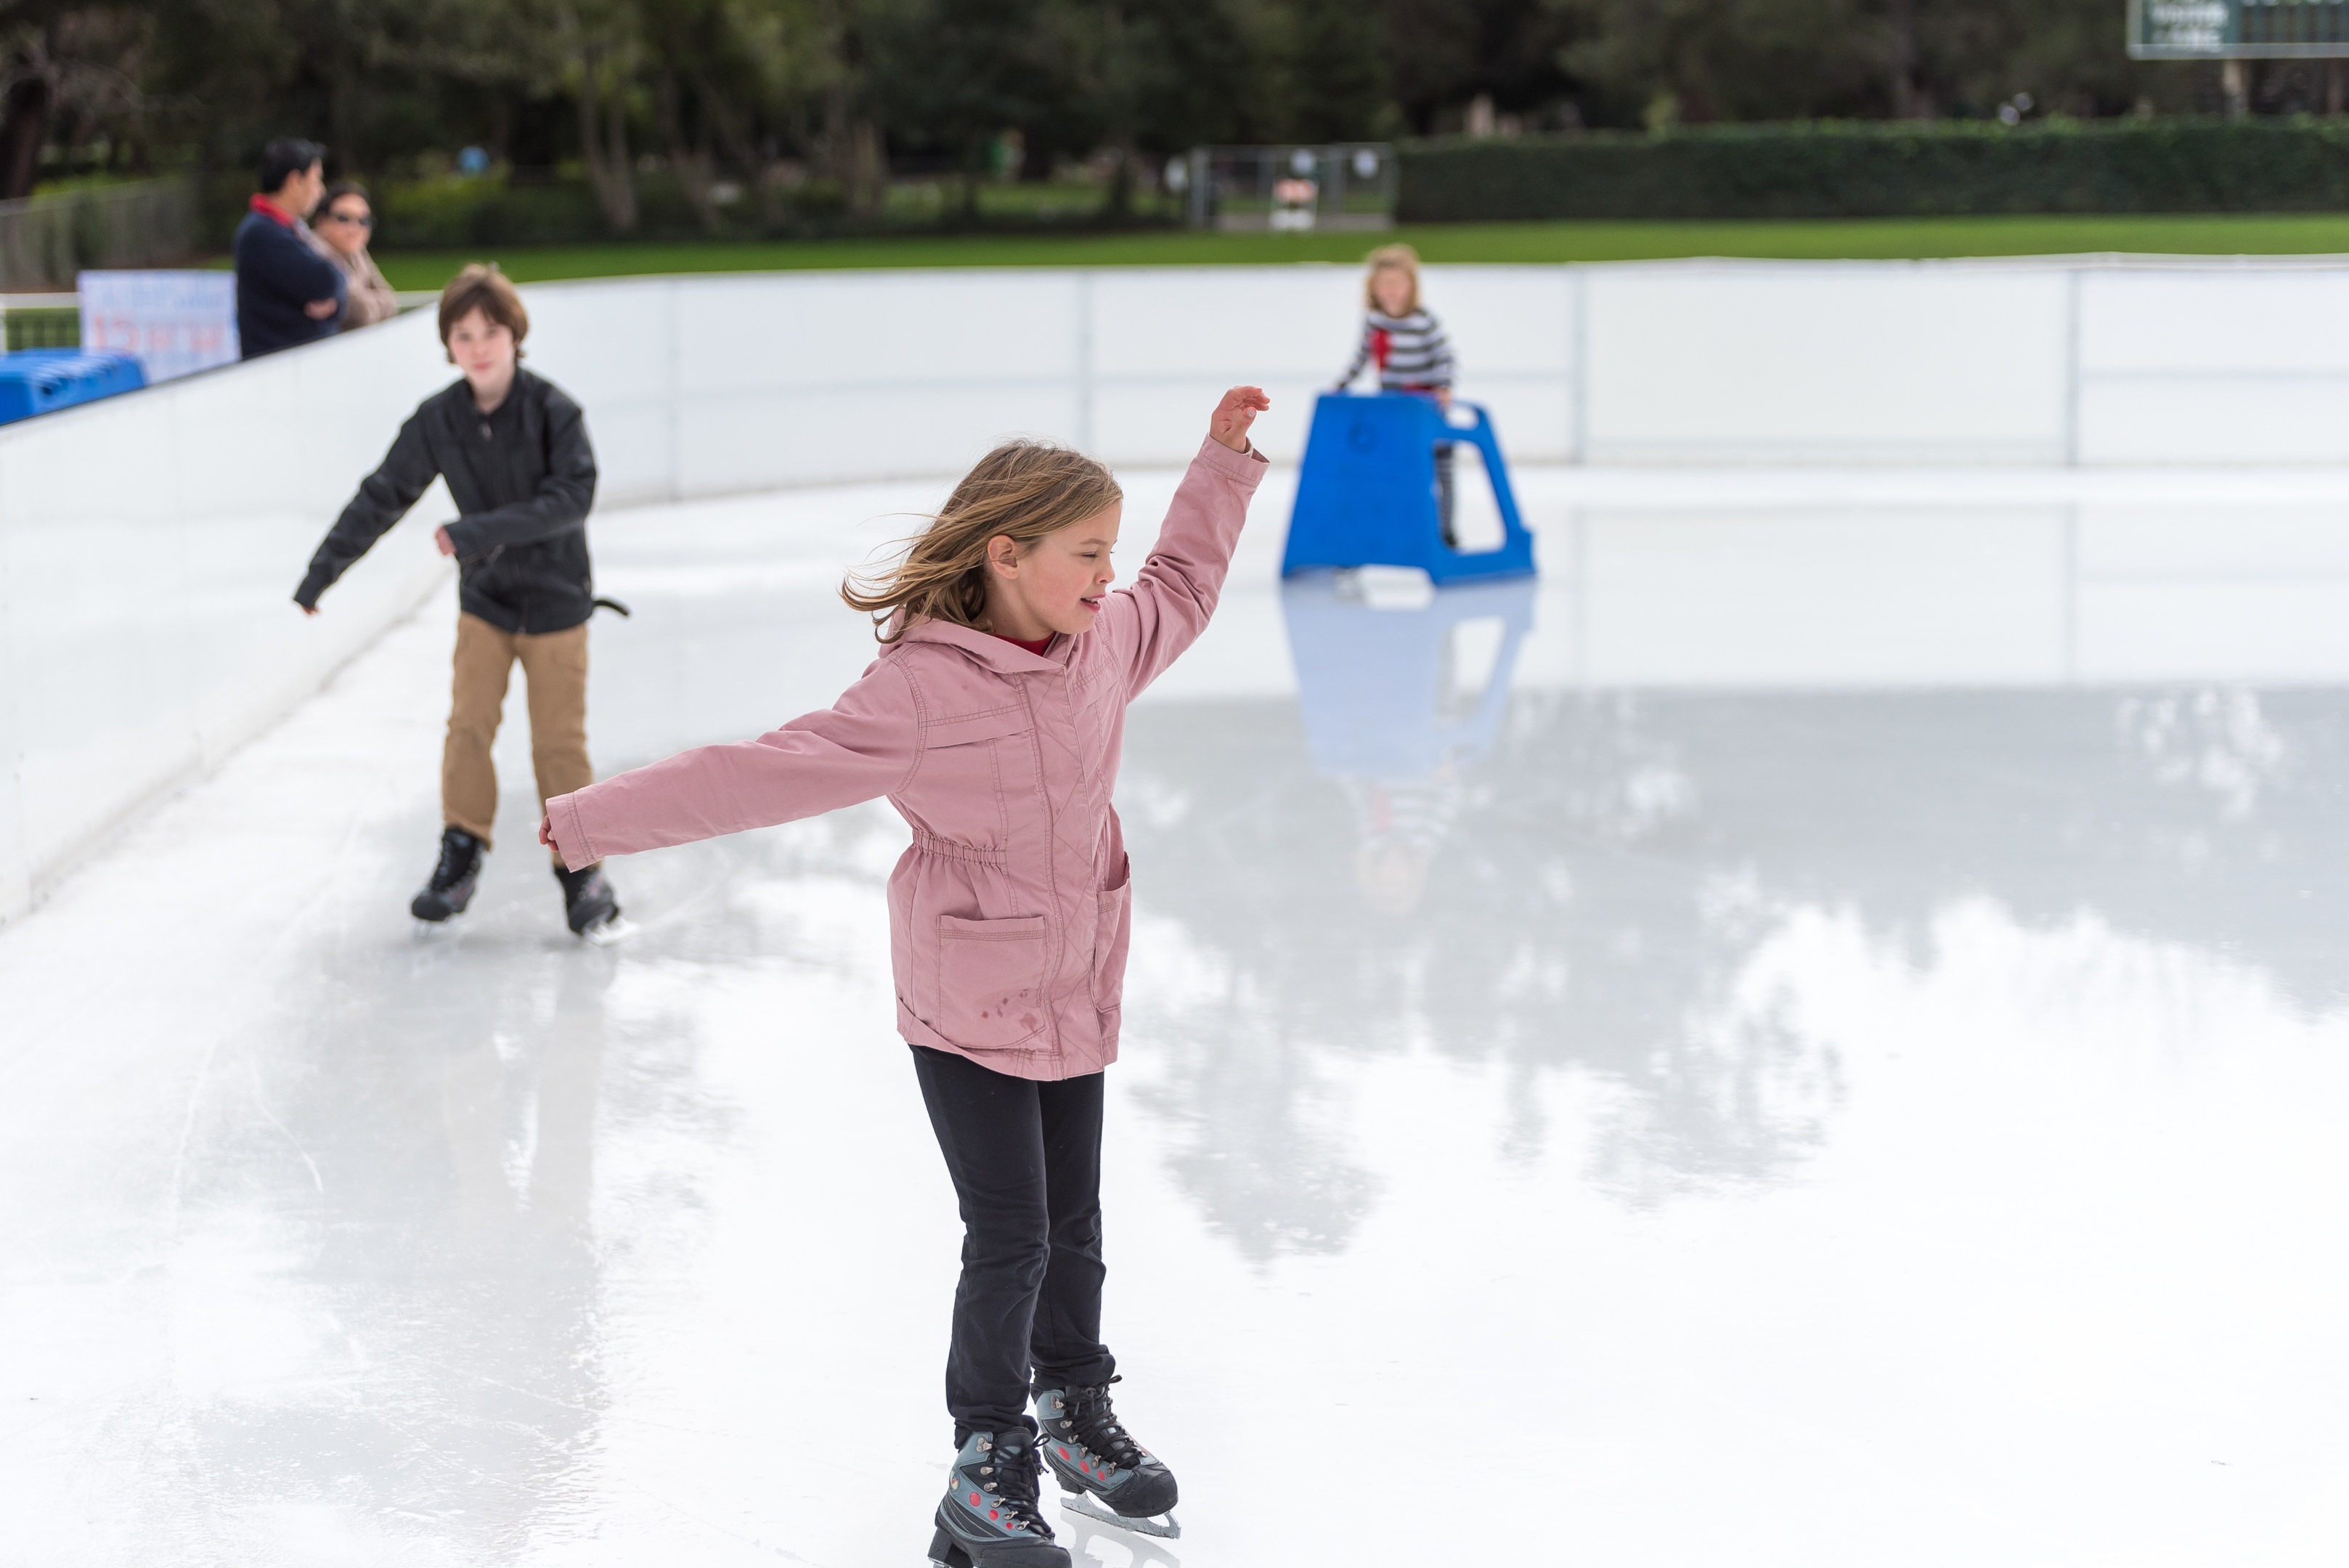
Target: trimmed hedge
column 543, row 208
column 451, row 213
column 1895, row 169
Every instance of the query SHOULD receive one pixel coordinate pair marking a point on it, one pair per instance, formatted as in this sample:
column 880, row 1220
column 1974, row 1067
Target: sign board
column 2238, row 30
column 176, row 323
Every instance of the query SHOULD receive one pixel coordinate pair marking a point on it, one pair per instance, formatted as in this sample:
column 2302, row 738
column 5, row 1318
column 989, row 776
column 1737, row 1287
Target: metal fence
column 46, row 239
column 1336, row 185
column 37, row 321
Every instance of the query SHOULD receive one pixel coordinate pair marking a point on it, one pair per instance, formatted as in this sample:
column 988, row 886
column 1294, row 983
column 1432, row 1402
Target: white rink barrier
column 703, row 386
column 150, row 546
column 148, row 543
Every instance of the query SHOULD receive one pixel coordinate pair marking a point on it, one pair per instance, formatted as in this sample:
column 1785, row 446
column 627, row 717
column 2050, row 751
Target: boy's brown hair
column 483, row 288
column 1021, row 490
column 1403, row 259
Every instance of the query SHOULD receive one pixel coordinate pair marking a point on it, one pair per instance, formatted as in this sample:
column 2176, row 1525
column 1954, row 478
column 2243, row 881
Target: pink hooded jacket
column 1009, row 916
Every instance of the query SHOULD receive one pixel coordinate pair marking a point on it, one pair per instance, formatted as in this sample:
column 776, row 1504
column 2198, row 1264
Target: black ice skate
column 451, row 888
column 1097, row 1463
column 589, row 905
column 988, row 1519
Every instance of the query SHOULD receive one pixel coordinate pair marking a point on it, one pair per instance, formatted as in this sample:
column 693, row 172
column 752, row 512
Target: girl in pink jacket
column 992, row 721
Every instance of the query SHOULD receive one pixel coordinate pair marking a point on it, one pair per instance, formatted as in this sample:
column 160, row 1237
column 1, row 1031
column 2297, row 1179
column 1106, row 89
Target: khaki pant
column 554, row 671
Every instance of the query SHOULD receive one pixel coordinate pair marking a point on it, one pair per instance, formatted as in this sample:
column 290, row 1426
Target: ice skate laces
column 456, row 859
column 1097, row 1427
column 1011, row 1473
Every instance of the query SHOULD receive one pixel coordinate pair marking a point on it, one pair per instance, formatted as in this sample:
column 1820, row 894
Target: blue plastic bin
column 37, row 380
column 1366, row 496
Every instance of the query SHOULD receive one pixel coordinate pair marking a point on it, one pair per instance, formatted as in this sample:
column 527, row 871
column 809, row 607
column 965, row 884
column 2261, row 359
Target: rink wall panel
column 1812, row 364
column 148, row 543
column 150, row 547
column 701, row 386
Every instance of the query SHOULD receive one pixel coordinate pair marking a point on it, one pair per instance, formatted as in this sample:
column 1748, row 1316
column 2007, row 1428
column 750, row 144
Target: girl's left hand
column 546, row 833
column 1233, row 415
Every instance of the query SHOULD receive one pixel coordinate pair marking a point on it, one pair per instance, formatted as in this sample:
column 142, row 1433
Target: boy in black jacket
column 287, row 291
column 514, row 451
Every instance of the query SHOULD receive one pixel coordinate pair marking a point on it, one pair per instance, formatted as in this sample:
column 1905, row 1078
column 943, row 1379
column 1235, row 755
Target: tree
column 1667, row 61
column 1442, row 53
column 1144, row 78
column 1323, row 72
column 953, row 74
column 73, row 67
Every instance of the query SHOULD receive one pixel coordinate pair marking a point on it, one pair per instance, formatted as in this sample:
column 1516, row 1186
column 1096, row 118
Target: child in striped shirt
column 1407, row 344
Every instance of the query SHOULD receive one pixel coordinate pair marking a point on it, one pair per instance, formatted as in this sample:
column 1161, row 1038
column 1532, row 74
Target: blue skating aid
column 1367, row 494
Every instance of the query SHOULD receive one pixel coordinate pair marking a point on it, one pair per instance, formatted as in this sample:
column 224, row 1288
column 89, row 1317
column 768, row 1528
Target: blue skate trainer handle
column 1366, row 495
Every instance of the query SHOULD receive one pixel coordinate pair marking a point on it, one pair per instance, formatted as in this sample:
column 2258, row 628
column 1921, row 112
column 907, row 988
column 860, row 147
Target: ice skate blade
column 1085, row 1505
column 606, row 933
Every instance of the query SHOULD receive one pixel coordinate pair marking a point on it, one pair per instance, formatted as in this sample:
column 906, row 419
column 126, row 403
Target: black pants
column 1026, row 1162
column 1444, row 458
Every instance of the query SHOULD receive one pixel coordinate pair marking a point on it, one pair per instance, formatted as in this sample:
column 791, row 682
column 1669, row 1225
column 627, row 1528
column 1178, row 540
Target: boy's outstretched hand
column 1233, row 415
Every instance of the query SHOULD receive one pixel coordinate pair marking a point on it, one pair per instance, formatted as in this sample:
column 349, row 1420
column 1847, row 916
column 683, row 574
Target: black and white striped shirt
column 1410, row 351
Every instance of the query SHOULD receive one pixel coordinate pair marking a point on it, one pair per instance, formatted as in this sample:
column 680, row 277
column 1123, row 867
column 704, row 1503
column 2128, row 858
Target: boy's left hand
column 1233, row 415
column 440, row 537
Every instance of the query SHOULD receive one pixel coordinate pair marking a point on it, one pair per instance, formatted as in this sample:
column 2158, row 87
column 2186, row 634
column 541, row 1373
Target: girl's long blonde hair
column 1403, row 259
column 1021, row 490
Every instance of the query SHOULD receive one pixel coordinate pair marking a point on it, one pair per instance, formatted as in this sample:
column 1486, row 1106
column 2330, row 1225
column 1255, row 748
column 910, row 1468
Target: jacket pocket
column 961, row 788
column 1112, row 933
column 990, row 980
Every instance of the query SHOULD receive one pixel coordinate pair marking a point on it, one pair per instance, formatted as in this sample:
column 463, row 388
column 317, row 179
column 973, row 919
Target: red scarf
column 273, row 211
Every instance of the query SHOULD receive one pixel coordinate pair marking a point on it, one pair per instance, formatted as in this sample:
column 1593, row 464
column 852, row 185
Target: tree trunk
column 692, row 162
column 24, row 127
column 868, row 181
column 1120, row 205
column 1900, row 52
column 731, row 129
column 604, row 142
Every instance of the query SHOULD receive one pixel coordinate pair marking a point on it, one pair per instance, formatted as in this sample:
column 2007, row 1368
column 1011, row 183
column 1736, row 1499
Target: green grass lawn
column 1823, row 239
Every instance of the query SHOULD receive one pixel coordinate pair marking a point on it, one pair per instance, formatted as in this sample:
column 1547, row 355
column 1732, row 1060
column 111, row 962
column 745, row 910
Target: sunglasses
column 363, row 221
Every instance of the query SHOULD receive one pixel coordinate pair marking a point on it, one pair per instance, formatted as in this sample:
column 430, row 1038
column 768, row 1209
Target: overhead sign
column 175, row 322
column 2238, row 30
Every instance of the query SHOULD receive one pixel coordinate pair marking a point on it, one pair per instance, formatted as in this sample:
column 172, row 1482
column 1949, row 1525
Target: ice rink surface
column 1817, row 1034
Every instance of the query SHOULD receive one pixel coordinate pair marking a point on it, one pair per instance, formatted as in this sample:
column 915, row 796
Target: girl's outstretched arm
column 865, row 746
column 1150, row 624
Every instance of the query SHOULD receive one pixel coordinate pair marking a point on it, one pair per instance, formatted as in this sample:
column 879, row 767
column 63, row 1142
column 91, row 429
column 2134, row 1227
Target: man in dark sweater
column 288, row 292
column 514, row 451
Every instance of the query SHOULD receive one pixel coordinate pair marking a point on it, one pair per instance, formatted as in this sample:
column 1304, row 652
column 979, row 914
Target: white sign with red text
column 177, row 323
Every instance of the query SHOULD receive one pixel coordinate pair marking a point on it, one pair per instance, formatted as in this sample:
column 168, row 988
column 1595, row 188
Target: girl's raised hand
column 1235, row 414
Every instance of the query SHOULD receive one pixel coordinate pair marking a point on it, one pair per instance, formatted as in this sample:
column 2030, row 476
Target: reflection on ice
column 436, row 1137
column 1922, row 1074
column 1110, row 1547
column 1396, row 704
column 1403, row 862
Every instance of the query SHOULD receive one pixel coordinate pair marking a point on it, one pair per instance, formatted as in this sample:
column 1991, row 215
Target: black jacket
column 277, row 273
column 521, row 477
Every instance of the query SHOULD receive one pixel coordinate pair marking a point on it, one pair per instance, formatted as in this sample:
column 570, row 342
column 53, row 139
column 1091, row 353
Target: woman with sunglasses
column 345, row 225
